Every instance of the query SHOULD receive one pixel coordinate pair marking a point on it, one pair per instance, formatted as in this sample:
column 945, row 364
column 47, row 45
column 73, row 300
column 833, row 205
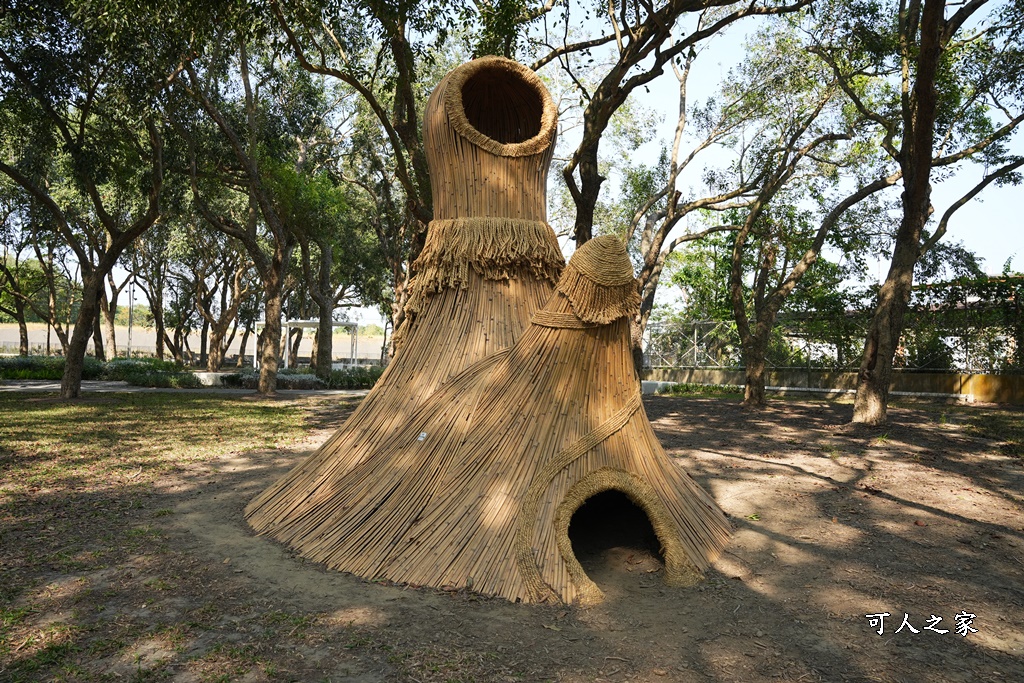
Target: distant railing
column 835, row 345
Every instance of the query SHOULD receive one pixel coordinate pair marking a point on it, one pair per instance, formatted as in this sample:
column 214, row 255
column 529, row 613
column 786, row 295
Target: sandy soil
column 831, row 524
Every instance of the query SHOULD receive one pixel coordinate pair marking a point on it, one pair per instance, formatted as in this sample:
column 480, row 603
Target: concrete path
column 103, row 387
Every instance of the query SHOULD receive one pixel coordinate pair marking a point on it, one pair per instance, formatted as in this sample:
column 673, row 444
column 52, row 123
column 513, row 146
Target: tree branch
column 1001, row 172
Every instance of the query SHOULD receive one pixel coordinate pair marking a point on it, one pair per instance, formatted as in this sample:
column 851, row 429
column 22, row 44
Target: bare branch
column 1001, row 172
column 981, row 144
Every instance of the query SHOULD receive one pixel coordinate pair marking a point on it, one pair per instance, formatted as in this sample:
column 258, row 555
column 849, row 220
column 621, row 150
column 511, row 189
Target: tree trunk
column 85, row 325
column 176, row 346
column 215, row 355
column 883, row 336
column 649, row 277
column 62, row 337
column 242, row 346
column 324, row 347
column 586, row 200
column 270, row 338
column 158, row 324
column 754, row 372
column 98, row 348
column 296, row 341
column 109, row 308
column 19, row 311
column 204, row 338
column 636, row 339
column 313, row 352
column 187, row 350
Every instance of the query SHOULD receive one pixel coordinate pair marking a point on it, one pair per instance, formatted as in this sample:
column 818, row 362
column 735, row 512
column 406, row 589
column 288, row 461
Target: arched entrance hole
column 612, row 537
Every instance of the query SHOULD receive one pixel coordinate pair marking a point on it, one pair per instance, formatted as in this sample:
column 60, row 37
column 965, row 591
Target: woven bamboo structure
column 478, row 487
column 490, row 260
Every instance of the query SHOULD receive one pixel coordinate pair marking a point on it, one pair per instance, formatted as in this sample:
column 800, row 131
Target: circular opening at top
column 613, row 539
column 501, row 105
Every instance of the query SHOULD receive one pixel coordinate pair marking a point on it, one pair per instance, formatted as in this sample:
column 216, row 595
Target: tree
column 644, row 44
column 215, row 270
column 84, row 101
column 380, row 50
column 338, row 256
column 21, row 279
column 266, row 238
column 149, row 265
column 108, row 308
column 799, row 136
column 771, row 113
column 942, row 87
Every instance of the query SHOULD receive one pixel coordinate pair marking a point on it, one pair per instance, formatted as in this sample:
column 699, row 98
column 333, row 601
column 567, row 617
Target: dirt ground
column 922, row 517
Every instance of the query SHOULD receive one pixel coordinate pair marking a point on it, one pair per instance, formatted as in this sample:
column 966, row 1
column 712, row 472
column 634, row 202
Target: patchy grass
column 77, row 481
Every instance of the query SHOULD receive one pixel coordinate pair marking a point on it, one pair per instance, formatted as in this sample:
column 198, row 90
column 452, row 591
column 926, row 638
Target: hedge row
column 359, row 377
column 150, row 372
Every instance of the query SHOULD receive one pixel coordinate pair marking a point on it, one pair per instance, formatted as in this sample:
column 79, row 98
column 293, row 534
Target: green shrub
column 123, row 368
column 45, row 367
column 175, row 380
column 300, row 381
column 356, row 377
column 685, row 389
column 286, row 379
column 244, row 379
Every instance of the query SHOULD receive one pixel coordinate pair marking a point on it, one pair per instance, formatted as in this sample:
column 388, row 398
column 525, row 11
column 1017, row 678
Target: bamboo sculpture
column 478, row 488
column 490, row 260
column 498, row 418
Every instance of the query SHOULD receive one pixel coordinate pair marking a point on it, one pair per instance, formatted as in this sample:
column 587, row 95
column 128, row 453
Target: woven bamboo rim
column 457, row 114
column 525, row 561
column 679, row 571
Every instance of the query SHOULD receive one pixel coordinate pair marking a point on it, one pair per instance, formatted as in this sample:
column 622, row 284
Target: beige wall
column 144, row 340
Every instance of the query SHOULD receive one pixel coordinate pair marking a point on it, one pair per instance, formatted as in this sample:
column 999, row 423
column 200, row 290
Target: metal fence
column 836, row 344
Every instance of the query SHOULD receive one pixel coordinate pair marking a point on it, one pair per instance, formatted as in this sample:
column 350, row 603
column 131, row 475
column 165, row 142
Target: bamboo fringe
column 496, row 248
column 456, row 111
column 599, row 281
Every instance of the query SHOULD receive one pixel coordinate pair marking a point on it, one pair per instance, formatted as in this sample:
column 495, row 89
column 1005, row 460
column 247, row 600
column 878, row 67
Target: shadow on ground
column 919, row 518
